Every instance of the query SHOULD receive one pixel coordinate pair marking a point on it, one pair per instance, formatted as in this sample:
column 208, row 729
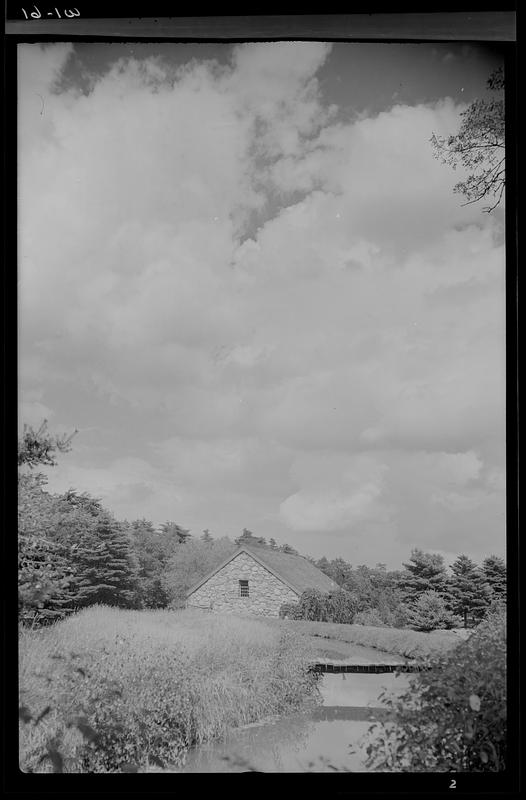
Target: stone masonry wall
column 221, row 591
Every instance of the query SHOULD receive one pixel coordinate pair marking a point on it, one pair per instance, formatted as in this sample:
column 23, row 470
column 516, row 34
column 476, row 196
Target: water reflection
column 319, row 740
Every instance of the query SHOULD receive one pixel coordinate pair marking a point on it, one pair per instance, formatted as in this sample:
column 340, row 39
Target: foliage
column 207, row 536
column 100, row 552
column 40, row 446
column 152, row 550
column 144, row 685
column 290, row 611
column 424, row 572
column 469, row 593
column 287, row 548
column 247, row 538
column 430, row 613
column 313, row 605
column 494, row 570
column 44, row 575
column 175, row 533
column 479, row 146
column 453, row 716
column 192, row 561
column 341, row 607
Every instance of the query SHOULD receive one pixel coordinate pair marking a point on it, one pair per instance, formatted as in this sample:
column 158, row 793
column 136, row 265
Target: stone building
column 257, row 580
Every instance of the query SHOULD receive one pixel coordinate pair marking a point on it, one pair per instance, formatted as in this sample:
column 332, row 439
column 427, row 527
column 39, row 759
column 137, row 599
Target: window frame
column 244, row 590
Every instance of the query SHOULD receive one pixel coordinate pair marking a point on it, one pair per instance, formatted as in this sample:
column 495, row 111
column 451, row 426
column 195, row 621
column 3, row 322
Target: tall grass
column 404, row 642
column 120, row 690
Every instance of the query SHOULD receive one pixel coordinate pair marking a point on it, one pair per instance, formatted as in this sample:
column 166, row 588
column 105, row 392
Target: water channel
column 317, row 740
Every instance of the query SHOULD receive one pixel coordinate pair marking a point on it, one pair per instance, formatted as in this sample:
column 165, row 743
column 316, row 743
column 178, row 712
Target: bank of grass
column 403, row 642
column 120, row 690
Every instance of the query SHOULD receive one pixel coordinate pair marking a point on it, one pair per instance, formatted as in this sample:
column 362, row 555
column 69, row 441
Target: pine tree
column 179, row 534
column 207, row 537
column 469, row 594
column 424, row 572
column 494, row 570
column 429, row 612
column 105, row 565
column 247, row 538
column 152, row 550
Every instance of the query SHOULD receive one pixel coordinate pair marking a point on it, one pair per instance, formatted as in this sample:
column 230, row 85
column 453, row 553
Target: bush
column 340, row 607
column 313, row 605
column 453, row 717
column 290, row 611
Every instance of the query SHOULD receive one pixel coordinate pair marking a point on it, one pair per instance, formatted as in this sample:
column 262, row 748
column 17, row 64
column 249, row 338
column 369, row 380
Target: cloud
column 288, row 318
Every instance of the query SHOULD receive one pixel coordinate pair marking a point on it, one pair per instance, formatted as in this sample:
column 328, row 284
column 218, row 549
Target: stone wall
column 221, row 591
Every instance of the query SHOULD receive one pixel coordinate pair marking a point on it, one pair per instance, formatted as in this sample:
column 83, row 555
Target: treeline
column 423, row 595
column 73, row 553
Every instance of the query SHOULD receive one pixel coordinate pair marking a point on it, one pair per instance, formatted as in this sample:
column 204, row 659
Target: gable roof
column 295, row 571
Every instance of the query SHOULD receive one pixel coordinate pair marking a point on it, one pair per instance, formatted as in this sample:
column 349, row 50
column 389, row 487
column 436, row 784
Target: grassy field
column 403, row 642
column 110, row 690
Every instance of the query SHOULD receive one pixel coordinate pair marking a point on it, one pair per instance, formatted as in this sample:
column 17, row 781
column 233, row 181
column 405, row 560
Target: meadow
column 112, row 690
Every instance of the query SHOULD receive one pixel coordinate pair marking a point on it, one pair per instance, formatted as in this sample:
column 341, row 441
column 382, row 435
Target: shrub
column 429, row 613
column 340, row 607
column 313, row 605
column 290, row 611
column 453, row 717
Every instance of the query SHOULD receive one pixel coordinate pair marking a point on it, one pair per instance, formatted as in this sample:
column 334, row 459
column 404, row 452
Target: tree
column 152, row 549
column 424, row 572
column 192, row 561
column 175, row 532
column 100, row 552
column 206, row 537
column 494, row 570
column 479, row 146
column 41, row 447
column 247, row 538
column 44, row 579
column 469, row 593
column 429, row 612
column 44, row 572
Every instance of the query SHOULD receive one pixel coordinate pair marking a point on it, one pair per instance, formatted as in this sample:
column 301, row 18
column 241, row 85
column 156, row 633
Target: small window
column 243, row 588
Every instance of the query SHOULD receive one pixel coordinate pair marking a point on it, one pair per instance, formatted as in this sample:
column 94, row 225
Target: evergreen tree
column 175, row 532
column 429, row 612
column 100, row 552
column 494, row 570
column 44, row 575
column 207, row 537
column 247, row 538
column 469, row 594
column 152, row 549
column 424, row 572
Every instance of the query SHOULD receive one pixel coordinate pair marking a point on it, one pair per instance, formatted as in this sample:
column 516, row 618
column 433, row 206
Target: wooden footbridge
column 361, row 666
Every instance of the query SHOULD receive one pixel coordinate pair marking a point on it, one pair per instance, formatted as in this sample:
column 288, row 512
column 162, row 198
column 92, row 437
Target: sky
column 246, row 281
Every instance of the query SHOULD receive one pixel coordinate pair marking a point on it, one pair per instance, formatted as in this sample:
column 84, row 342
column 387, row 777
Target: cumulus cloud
column 290, row 316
